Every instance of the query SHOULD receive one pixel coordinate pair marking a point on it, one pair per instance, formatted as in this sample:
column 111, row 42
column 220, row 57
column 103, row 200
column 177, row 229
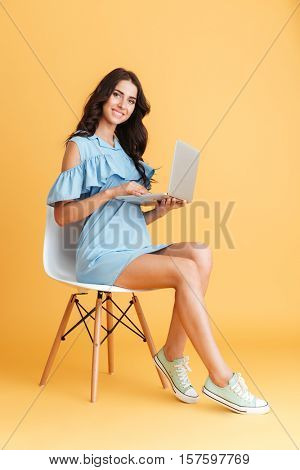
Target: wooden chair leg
column 148, row 336
column 56, row 344
column 96, row 348
column 110, row 338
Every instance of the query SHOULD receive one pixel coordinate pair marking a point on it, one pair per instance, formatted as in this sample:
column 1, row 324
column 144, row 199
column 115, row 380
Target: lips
column 119, row 113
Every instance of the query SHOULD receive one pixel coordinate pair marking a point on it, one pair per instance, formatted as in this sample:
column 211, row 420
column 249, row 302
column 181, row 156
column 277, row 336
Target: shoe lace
column 182, row 369
column 241, row 389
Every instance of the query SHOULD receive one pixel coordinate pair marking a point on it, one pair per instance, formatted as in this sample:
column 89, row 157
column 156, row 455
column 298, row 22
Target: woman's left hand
column 167, row 204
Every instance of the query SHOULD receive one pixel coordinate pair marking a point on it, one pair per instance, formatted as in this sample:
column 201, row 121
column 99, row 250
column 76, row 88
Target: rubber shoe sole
column 232, row 406
column 181, row 396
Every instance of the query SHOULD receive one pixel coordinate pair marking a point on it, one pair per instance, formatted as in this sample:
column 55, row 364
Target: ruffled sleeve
column 68, row 185
column 77, row 182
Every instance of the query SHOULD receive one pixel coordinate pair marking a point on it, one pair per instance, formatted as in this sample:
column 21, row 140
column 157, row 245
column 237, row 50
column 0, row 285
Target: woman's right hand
column 130, row 188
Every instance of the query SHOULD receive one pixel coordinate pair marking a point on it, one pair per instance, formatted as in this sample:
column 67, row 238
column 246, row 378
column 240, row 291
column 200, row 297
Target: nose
column 122, row 102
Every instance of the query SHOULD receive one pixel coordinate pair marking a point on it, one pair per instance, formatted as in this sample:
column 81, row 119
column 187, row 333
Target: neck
column 106, row 130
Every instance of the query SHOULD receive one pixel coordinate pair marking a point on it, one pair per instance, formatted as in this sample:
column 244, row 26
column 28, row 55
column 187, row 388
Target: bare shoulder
column 71, row 157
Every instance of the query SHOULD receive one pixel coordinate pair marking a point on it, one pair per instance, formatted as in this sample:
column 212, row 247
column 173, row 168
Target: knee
column 186, row 272
column 202, row 256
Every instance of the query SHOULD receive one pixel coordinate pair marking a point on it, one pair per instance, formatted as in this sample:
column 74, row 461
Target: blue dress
column 115, row 233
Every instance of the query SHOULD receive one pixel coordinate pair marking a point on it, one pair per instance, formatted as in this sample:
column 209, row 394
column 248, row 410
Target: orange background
column 223, row 76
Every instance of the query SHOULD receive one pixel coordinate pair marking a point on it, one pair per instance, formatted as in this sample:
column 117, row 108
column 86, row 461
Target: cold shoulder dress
column 116, row 233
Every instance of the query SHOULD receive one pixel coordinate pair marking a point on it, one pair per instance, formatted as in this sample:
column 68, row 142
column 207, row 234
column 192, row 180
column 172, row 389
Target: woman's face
column 121, row 103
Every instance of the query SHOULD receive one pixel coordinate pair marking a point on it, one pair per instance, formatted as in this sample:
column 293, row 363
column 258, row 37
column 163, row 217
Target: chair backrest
column 59, row 254
column 60, row 244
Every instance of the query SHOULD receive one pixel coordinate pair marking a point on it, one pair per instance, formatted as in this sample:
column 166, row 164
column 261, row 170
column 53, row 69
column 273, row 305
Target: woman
column 103, row 159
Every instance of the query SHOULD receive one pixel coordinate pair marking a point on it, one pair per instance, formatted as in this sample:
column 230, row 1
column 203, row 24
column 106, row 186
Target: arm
column 151, row 216
column 66, row 212
column 162, row 208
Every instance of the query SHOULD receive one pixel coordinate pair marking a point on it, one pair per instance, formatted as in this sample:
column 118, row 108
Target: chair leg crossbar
column 144, row 334
column 138, row 332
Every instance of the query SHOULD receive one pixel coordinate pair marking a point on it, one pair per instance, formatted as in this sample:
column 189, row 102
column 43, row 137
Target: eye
column 115, row 93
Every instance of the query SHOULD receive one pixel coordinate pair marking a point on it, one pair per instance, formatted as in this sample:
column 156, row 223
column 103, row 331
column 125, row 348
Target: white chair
column 59, row 256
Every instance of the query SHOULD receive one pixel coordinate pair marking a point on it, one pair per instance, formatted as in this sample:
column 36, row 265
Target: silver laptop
column 182, row 179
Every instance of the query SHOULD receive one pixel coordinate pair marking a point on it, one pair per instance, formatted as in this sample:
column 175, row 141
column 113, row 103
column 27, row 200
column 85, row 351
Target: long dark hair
column 132, row 134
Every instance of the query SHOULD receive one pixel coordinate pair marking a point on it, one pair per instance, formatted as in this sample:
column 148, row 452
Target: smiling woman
column 103, row 159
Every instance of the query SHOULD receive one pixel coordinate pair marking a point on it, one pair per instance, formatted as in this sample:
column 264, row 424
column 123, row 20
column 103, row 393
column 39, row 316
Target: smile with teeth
column 117, row 113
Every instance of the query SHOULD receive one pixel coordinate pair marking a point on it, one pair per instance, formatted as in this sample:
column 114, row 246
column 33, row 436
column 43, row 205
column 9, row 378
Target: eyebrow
column 123, row 93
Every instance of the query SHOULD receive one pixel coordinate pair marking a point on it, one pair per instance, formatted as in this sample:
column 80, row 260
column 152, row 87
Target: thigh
column 191, row 250
column 152, row 271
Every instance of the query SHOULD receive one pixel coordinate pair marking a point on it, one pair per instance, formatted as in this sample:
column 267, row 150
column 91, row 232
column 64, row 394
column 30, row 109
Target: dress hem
column 128, row 261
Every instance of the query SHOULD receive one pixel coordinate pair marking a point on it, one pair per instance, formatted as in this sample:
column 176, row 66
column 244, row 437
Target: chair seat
column 98, row 287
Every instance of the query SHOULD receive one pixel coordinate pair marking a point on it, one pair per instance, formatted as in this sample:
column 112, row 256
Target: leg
column 201, row 254
column 110, row 338
column 147, row 334
column 96, row 347
column 156, row 271
column 56, row 344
